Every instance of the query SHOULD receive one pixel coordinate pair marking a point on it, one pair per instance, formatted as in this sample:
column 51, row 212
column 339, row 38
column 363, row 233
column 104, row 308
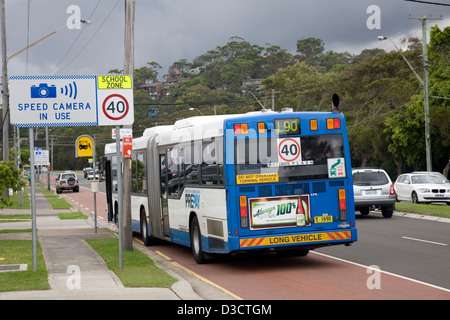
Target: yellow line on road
column 163, row 255
column 192, row 272
column 207, row 281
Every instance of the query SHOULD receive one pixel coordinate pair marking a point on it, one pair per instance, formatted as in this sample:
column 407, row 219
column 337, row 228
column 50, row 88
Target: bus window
column 176, row 170
column 138, row 167
column 212, row 165
column 163, row 174
column 260, row 158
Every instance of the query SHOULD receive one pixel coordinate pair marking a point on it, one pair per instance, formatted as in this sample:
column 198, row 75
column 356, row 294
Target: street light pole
column 424, row 83
column 381, row 38
column 5, row 93
column 127, row 236
column 425, row 95
column 425, row 88
column 192, row 109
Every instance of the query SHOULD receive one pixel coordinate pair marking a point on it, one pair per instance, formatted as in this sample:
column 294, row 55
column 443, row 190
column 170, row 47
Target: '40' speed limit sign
column 289, row 151
column 115, row 100
column 115, row 107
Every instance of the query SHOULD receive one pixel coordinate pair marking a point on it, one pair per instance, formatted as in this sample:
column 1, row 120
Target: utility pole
column 425, row 88
column 273, row 98
column 127, row 237
column 5, row 92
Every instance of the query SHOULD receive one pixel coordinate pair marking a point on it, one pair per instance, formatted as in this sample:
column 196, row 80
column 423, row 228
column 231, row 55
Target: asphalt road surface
column 397, row 258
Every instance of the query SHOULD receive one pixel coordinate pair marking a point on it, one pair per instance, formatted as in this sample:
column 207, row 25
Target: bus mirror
column 335, row 104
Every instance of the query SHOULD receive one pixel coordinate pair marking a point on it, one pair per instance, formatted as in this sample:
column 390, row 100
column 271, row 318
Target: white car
column 420, row 187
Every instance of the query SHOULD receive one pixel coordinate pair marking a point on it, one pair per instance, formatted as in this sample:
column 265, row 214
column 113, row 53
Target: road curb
column 420, row 216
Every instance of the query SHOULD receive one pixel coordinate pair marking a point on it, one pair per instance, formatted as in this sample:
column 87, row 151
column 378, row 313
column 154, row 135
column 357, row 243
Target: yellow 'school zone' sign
column 114, row 82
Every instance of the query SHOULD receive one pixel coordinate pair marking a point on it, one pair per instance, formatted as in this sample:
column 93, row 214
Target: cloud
column 169, row 30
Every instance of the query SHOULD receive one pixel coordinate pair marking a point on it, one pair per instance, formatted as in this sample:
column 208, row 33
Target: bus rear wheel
column 196, row 242
column 146, row 238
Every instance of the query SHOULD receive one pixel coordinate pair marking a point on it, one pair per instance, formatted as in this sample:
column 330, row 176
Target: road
column 411, row 257
column 414, row 248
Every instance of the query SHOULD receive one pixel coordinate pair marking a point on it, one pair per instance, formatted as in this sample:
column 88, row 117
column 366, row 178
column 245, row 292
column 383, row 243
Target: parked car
column 422, row 187
column 67, row 181
column 439, row 175
column 90, row 174
column 373, row 188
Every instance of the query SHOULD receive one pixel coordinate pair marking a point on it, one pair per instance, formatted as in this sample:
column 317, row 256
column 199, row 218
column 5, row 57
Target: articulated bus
column 223, row 184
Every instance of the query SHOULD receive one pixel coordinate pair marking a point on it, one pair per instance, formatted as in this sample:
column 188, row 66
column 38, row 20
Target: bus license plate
column 323, row 219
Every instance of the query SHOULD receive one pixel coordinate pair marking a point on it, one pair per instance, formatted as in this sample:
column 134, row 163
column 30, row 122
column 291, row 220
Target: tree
column 298, row 86
column 146, row 74
column 310, row 50
column 181, row 65
column 9, row 179
column 439, row 89
column 404, row 131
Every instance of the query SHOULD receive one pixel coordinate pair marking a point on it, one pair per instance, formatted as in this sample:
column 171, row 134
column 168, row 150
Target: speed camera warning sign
column 73, row 100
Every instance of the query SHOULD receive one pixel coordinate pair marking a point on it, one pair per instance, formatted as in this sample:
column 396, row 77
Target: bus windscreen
column 292, row 158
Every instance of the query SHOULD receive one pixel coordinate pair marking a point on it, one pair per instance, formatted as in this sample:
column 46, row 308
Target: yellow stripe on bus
column 295, row 238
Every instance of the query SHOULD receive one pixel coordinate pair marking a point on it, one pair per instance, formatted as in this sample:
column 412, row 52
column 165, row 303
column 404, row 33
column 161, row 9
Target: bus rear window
column 292, row 158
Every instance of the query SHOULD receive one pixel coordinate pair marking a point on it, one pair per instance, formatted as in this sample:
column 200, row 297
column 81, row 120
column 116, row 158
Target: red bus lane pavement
column 85, row 200
column 316, row 276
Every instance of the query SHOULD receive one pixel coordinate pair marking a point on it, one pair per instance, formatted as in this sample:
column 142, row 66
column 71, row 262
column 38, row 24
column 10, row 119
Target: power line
column 429, row 2
column 95, row 33
column 73, row 43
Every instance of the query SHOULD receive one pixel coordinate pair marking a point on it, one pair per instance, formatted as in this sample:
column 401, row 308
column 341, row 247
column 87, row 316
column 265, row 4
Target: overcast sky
column 169, row 30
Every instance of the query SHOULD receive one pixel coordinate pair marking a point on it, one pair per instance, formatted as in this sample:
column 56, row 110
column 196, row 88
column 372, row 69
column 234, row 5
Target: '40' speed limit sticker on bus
column 289, row 152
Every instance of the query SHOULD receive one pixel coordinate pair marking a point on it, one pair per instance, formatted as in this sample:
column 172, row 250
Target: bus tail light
column 342, row 205
column 243, row 211
column 261, row 127
column 240, row 128
column 313, row 124
column 334, row 123
column 237, row 128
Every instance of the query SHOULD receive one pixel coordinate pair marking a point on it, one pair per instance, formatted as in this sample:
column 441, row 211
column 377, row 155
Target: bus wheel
column 196, row 241
column 144, row 229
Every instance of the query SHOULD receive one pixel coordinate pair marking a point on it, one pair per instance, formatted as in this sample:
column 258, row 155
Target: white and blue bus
column 230, row 183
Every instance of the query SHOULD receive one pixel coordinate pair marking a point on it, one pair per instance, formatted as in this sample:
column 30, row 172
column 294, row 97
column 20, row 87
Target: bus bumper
column 309, row 239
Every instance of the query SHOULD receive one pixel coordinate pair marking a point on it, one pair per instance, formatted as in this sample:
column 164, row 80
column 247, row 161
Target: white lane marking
column 422, row 240
column 382, row 271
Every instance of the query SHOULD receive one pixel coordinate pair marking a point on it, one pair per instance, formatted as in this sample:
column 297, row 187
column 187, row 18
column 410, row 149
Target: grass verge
column 72, row 215
column 442, row 211
column 15, row 216
column 138, row 270
column 20, row 252
column 16, row 230
column 59, row 203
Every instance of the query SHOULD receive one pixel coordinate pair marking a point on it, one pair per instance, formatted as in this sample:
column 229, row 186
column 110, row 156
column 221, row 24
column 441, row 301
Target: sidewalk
column 65, row 250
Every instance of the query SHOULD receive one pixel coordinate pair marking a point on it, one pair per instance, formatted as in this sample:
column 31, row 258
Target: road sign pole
column 95, row 193
column 119, row 192
column 33, row 198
